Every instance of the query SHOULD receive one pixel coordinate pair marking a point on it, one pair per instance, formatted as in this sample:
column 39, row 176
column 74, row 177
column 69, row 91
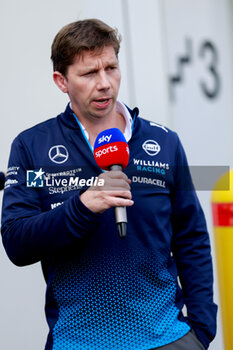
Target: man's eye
column 89, row 73
column 110, row 69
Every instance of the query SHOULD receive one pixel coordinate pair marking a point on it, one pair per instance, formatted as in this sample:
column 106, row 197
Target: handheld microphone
column 111, row 152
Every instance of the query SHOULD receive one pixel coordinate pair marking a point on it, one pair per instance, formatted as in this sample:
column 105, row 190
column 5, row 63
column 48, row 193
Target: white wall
column 28, row 96
column 204, row 124
column 154, row 33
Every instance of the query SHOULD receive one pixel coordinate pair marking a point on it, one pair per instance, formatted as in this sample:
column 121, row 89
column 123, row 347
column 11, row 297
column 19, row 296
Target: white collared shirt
column 120, row 108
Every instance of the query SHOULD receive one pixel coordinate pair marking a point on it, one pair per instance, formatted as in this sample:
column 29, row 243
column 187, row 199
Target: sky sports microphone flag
column 111, row 148
column 111, row 152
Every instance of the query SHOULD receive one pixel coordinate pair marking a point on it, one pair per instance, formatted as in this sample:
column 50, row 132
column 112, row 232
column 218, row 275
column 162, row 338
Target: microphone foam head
column 111, row 148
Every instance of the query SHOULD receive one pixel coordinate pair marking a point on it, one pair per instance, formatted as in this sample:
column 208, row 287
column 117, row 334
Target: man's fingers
column 114, row 174
column 115, row 180
column 116, row 185
column 118, row 199
column 119, row 193
column 114, row 193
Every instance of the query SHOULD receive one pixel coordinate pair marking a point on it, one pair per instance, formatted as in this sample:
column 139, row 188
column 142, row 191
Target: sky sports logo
column 104, row 138
column 38, row 178
column 104, row 151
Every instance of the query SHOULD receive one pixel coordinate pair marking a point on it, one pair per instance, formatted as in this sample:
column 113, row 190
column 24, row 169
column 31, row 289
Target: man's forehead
column 106, row 53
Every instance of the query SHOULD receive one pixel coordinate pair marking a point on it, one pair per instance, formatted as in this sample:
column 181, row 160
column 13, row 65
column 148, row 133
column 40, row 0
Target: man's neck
column 93, row 129
column 94, row 126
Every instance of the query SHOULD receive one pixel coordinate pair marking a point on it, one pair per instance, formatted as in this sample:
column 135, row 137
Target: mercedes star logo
column 58, row 154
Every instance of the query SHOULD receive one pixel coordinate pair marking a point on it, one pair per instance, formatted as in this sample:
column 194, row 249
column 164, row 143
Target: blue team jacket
column 104, row 292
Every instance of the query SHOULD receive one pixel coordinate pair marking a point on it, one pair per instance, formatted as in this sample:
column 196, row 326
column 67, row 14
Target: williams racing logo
column 151, row 166
column 151, row 147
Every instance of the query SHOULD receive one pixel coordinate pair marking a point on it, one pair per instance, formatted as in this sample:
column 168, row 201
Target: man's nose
column 103, row 81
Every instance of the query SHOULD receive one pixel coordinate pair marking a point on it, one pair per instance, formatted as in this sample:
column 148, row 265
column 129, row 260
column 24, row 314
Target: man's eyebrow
column 113, row 62
column 88, row 69
column 94, row 67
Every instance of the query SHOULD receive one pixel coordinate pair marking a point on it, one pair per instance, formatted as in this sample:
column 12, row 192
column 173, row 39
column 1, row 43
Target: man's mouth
column 103, row 99
column 102, row 102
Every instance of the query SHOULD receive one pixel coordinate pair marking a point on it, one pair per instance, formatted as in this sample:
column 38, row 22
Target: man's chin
column 101, row 114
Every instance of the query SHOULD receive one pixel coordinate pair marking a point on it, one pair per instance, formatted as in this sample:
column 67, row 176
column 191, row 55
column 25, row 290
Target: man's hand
column 114, row 193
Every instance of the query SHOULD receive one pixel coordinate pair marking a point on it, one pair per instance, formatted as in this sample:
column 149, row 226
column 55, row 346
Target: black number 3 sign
column 208, row 53
column 208, row 48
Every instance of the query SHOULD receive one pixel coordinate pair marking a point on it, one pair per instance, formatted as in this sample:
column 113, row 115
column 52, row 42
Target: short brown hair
column 79, row 36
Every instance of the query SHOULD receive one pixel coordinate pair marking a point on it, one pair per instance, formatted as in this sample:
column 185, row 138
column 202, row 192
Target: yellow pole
column 222, row 209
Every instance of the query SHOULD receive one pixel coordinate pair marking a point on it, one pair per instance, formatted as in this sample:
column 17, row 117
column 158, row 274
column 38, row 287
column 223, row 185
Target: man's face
column 93, row 82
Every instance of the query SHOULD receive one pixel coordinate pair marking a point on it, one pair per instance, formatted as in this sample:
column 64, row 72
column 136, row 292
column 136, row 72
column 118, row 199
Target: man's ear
column 61, row 81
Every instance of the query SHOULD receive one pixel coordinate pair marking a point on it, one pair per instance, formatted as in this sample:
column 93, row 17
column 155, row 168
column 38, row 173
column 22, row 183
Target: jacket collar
column 67, row 117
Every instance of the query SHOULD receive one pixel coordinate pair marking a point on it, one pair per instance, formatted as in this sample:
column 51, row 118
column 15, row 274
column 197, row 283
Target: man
column 2, row 180
column 104, row 292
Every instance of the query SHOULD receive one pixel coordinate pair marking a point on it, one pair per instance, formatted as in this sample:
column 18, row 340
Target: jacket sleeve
column 192, row 253
column 2, row 180
column 28, row 233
